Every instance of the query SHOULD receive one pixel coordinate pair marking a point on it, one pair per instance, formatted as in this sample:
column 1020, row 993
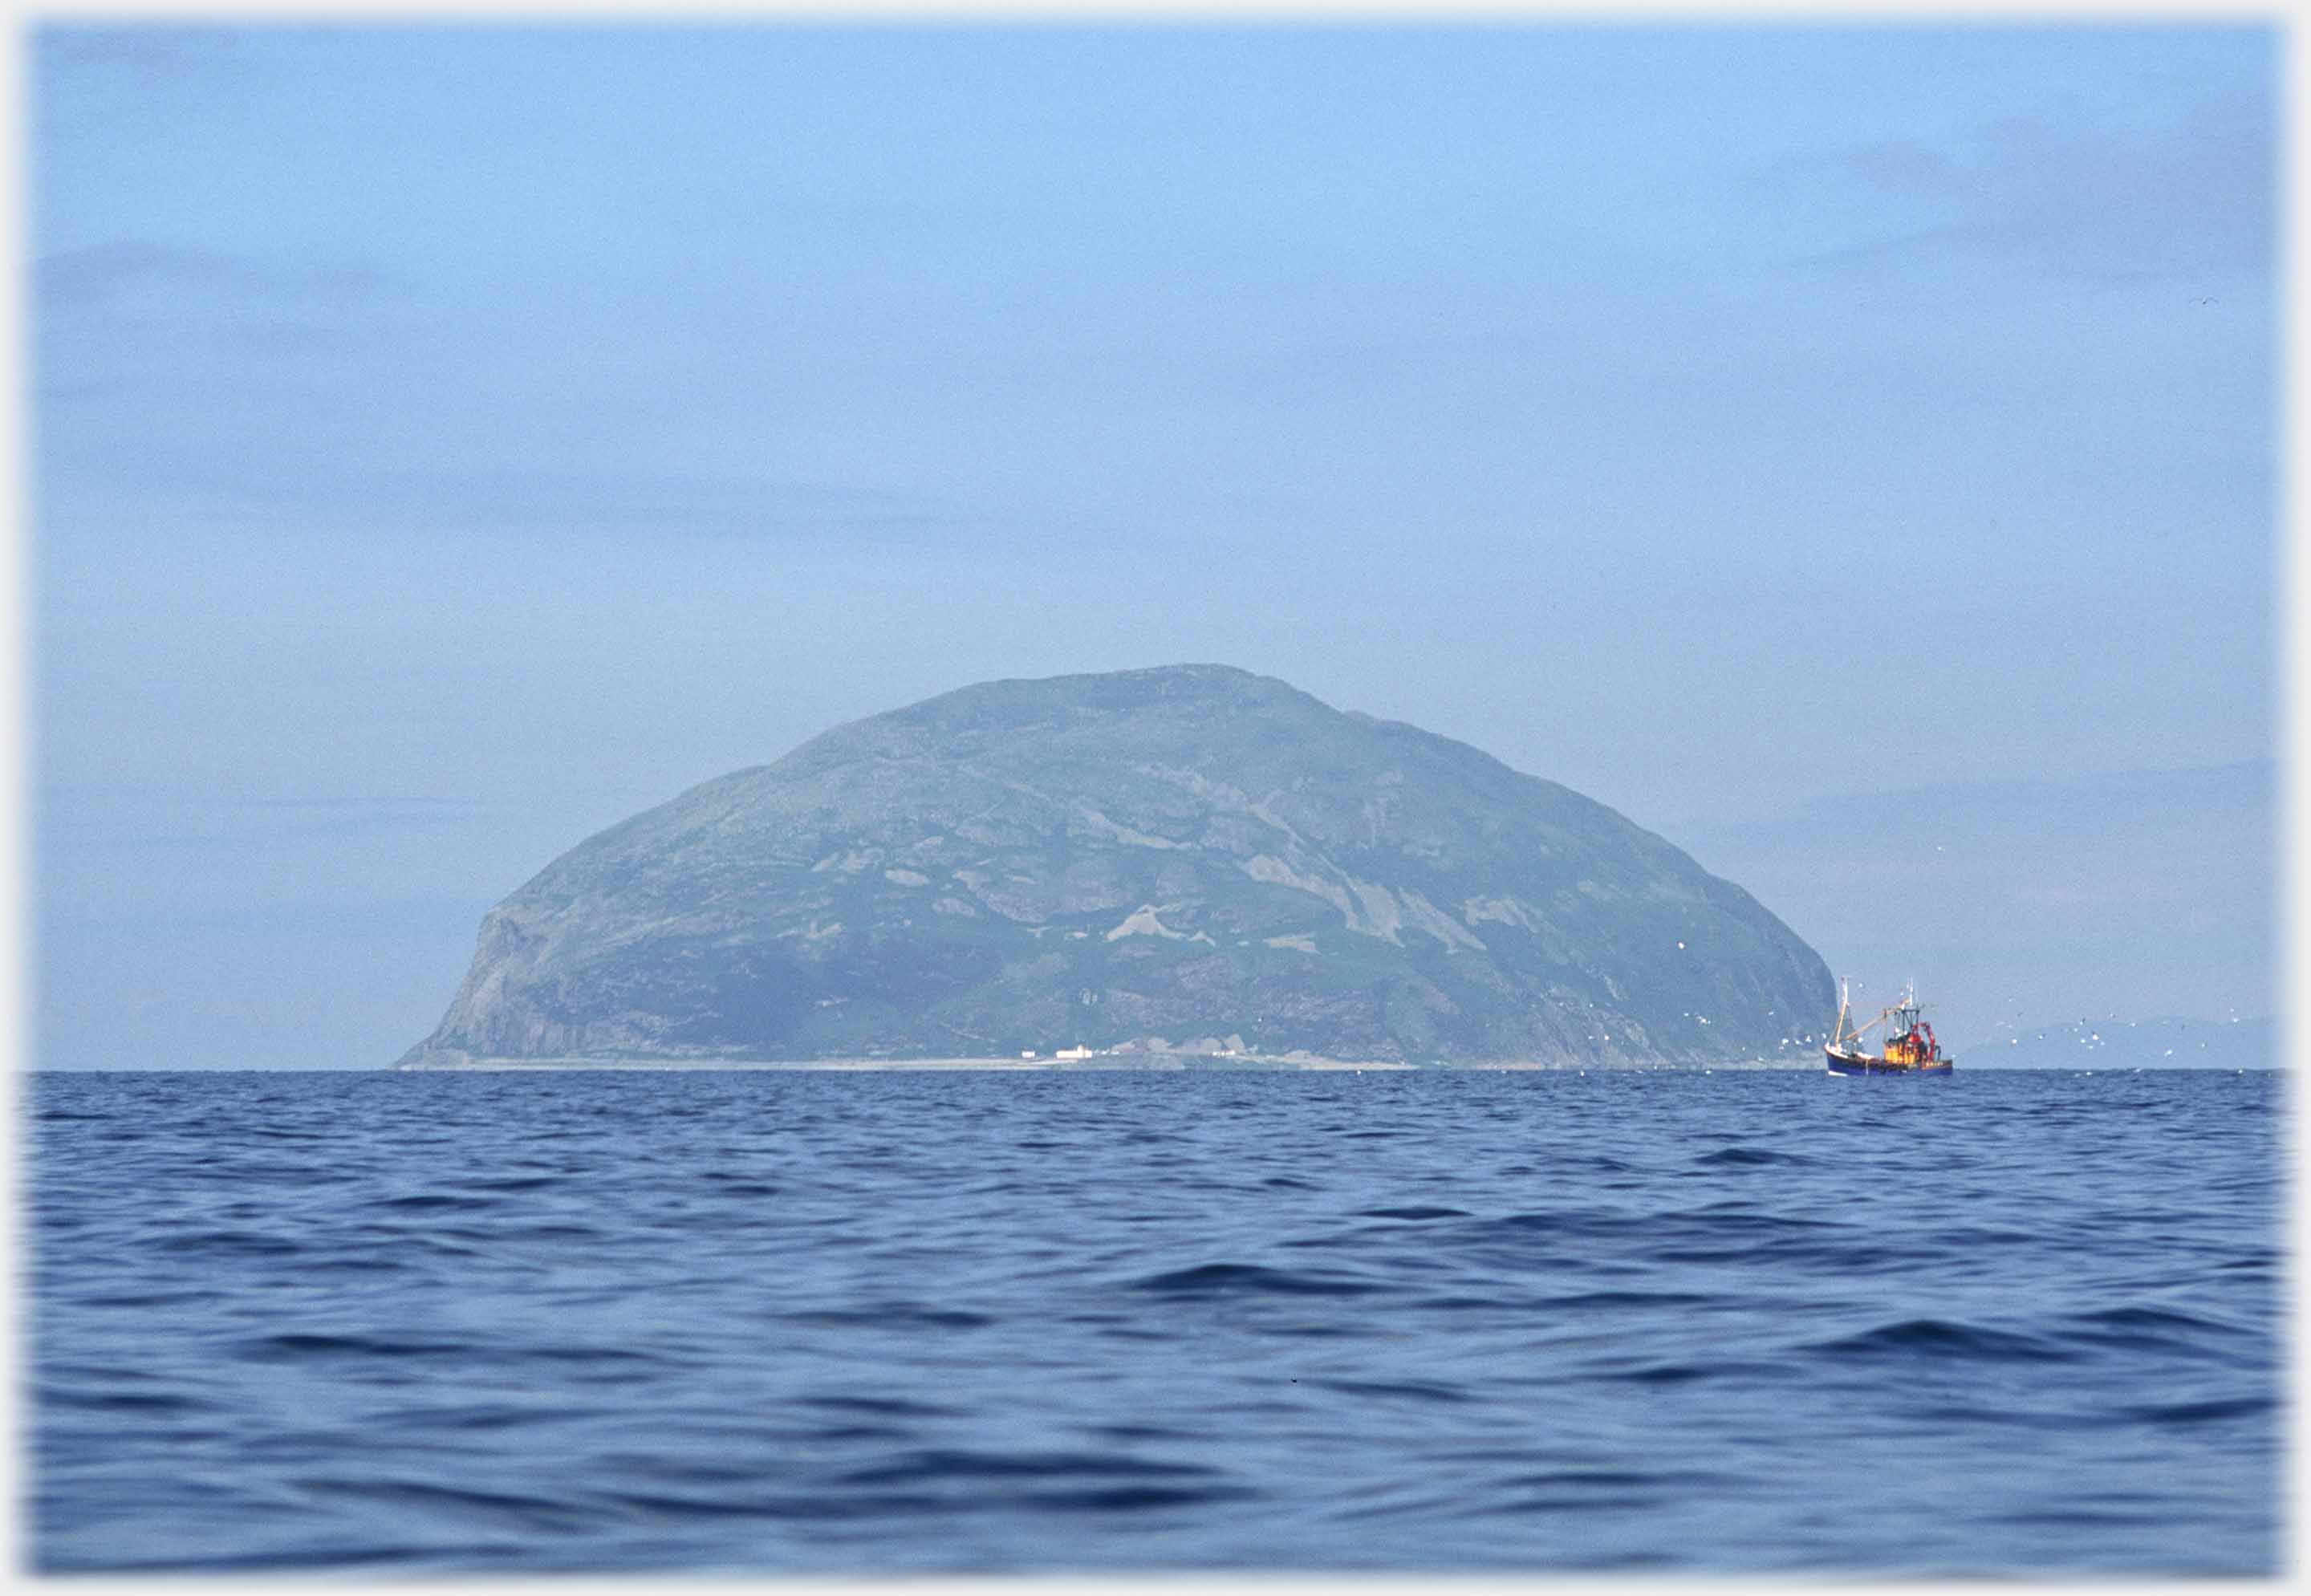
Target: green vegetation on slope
column 1184, row 852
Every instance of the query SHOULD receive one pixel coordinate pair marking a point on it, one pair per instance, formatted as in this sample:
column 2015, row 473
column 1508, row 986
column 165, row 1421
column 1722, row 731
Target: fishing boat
column 1907, row 1048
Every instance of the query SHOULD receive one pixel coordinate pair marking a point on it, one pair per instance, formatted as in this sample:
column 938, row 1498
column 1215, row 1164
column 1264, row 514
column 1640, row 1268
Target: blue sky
column 447, row 441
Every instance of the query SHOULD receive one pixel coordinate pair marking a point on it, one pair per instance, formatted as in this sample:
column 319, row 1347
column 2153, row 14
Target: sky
column 447, row 440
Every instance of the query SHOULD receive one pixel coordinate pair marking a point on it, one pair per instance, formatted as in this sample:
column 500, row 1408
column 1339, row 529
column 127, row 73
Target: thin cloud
column 709, row 506
column 2069, row 197
column 138, row 80
column 146, row 46
column 100, row 274
column 283, row 477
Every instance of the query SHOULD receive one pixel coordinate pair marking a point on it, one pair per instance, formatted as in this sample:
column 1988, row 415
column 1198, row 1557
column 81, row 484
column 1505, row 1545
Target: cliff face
column 1185, row 853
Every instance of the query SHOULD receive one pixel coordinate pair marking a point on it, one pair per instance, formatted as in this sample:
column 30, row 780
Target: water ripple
column 906, row 1323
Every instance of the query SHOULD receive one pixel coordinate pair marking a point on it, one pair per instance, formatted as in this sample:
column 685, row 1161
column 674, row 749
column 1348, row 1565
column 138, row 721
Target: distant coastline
column 1140, row 1060
column 1105, row 1062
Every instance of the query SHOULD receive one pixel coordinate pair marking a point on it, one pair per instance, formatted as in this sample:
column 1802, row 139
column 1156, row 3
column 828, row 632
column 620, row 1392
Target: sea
column 2007, row 1323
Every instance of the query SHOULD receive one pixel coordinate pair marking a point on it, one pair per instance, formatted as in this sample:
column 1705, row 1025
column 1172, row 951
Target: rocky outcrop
column 1182, row 852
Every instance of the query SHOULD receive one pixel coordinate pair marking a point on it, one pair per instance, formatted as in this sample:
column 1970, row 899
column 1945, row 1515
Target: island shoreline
column 1173, row 1063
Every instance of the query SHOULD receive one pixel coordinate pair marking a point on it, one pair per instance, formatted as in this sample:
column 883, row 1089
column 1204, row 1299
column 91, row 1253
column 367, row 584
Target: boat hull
column 1841, row 1062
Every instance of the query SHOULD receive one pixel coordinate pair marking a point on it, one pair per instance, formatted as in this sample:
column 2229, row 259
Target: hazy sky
column 447, row 441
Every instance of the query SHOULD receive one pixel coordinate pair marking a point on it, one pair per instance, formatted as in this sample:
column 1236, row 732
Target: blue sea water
column 1741, row 1321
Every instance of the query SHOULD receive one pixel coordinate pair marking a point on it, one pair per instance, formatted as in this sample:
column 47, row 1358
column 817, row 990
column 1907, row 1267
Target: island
column 1189, row 867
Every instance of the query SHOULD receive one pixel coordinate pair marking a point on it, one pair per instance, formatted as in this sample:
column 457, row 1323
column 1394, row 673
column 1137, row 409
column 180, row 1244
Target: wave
column 308, row 1344
column 1416, row 1391
column 1946, row 1339
column 2212, row 1410
column 1234, row 1279
column 1412, row 1213
column 895, row 1316
column 960, row 1464
column 1739, row 1157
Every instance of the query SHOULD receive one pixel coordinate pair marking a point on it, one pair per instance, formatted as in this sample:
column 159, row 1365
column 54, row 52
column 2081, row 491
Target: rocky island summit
column 1184, row 860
